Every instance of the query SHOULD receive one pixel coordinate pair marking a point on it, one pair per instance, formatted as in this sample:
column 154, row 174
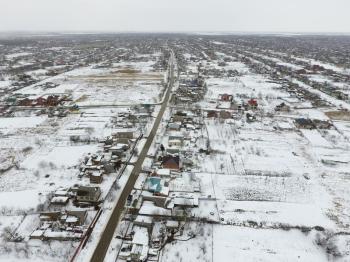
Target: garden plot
column 217, row 86
column 293, row 201
column 334, row 159
column 245, row 244
column 217, row 163
column 125, row 83
column 273, row 214
column 206, row 185
column 263, row 188
column 235, row 65
column 343, row 127
column 257, row 151
column 262, row 176
column 10, row 222
column 337, row 184
column 247, row 86
column 46, row 159
column 114, row 92
column 315, row 138
column 335, row 138
column 276, row 157
column 5, row 84
column 207, row 209
column 313, row 114
column 38, row 251
column 64, row 156
column 20, row 122
column 334, row 166
column 260, row 87
column 63, row 89
column 19, row 200
column 92, row 123
column 188, row 249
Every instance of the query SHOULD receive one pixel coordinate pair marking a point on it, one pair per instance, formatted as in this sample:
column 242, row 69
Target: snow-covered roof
column 148, row 208
column 163, row 172
column 144, row 219
column 172, row 224
column 140, row 236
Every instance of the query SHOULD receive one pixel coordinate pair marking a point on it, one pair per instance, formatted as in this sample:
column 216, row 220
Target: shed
column 171, row 162
column 172, row 224
column 144, row 221
column 59, row 200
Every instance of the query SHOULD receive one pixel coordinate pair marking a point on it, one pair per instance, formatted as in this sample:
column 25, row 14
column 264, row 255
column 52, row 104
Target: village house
column 179, row 116
column 304, row 123
column 322, row 124
column 68, row 217
column 96, row 177
column 124, row 134
column 250, row 117
column 212, row 114
column 283, row 107
column 88, row 194
column 301, row 71
column 174, row 126
column 118, row 150
column 61, row 225
column 140, row 244
column 25, row 102
column 124, row 141
column 226, row 97
column 171, row 162
column 92, row 163
column 252, row 104
column 158, row 186
column 175, row 142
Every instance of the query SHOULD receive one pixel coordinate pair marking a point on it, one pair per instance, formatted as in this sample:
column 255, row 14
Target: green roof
column 154, row 184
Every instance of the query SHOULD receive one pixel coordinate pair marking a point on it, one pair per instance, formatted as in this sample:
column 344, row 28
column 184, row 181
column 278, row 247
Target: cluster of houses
column 190, row 90
column 164, row 196
column 278, row 76
column 128, row 120
column 306, row 123
column 63, row 220
column 303, row 94
column 111, row 159
column 52, row 105
column 61, row 225
column 69, row 207
column 43, row 101
column 116, row 149
column 303, row 74
column 227, row 108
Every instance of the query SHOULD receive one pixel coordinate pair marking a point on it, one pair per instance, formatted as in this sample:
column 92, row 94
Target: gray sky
column 175, row 15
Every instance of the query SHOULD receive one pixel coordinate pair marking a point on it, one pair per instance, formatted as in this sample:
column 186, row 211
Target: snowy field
column 251, row 245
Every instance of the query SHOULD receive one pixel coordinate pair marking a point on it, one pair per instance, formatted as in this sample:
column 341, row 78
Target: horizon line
column 203, row 32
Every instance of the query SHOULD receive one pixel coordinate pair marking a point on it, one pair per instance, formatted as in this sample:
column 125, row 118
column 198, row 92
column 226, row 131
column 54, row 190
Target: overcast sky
column 176, row 15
